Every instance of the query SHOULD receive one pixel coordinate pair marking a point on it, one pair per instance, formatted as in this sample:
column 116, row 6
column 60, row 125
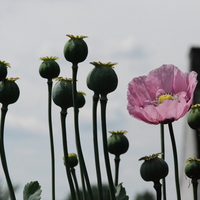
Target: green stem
column 4, row 110
column 63, row 115
column 195, row 186
column 163, row 157
column 77, row 135
column 157, row 186
column 103, row 101
column 49, row 82
column 73, row 172
column 117, row 161
column 96, row 148
column 175, row 161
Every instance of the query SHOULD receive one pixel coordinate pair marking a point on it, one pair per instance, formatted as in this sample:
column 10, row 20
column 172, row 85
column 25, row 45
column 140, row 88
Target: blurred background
column 139, row 35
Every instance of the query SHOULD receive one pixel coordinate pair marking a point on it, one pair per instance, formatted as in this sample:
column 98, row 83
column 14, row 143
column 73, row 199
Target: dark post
column 195, row 66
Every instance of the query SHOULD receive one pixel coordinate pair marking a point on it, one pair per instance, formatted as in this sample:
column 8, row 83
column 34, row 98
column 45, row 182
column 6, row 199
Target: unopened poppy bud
column 3, row 69
column 118, row 143
column 49, row 68
column 76, row 50
column 62, row 93
column 9, row 91
column 153, row 168
column 192, row 168
column 102, row 79
column 194, row 117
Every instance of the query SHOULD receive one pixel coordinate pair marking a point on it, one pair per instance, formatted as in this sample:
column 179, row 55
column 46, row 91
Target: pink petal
column 142, row 91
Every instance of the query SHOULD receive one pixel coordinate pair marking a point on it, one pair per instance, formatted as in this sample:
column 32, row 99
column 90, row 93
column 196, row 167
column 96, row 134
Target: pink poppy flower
column 163, row 96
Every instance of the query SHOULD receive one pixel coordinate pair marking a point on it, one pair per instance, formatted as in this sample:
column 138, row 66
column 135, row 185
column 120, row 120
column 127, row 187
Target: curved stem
column 49, row 82
column 157, row 187
column 4, row 110
column 175, row 161
column 73, row 172
column 163, row 157
column 117, row 161
column 96, row 148
column 103, row 101
column 195, row 186
column 63, row 114
column 77, row 135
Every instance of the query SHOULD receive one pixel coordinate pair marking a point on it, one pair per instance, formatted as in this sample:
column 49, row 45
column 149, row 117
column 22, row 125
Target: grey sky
column 139, row 35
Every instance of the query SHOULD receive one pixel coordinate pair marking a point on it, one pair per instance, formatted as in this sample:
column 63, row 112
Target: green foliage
column 145, row 196
column 121, row 192
column 32, row 191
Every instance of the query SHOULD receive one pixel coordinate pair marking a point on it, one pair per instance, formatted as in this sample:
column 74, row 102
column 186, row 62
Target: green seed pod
column 192, row 168
column 153, row 168
column 62, row 93
column 3, row 69
column 118, row 143
column 49, row 68
column 102, row 79
column 80, row 99
column 194, row 117
column 73, row 160
column 9, row 91
column 76, row 50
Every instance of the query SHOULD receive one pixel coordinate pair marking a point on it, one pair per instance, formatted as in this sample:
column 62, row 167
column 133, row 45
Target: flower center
column 164, row 97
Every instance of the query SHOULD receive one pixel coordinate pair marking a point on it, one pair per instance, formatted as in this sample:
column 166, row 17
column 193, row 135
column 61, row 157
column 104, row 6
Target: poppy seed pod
column 9, row 91
column 76, row 50
column 153, row 168
column 102, row 79
column 80, row 99
column 73, row 160
column 118, row 143
column 62, row 93
column 49, row 68
column 194, row 117
column 3, row 70
column 192, row 168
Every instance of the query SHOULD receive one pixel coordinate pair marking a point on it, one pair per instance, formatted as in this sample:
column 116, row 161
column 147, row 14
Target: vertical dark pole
column 195, row 66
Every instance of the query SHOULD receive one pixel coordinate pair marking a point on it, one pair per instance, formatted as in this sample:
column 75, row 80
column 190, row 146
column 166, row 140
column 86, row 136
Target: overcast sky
column 138, row 35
